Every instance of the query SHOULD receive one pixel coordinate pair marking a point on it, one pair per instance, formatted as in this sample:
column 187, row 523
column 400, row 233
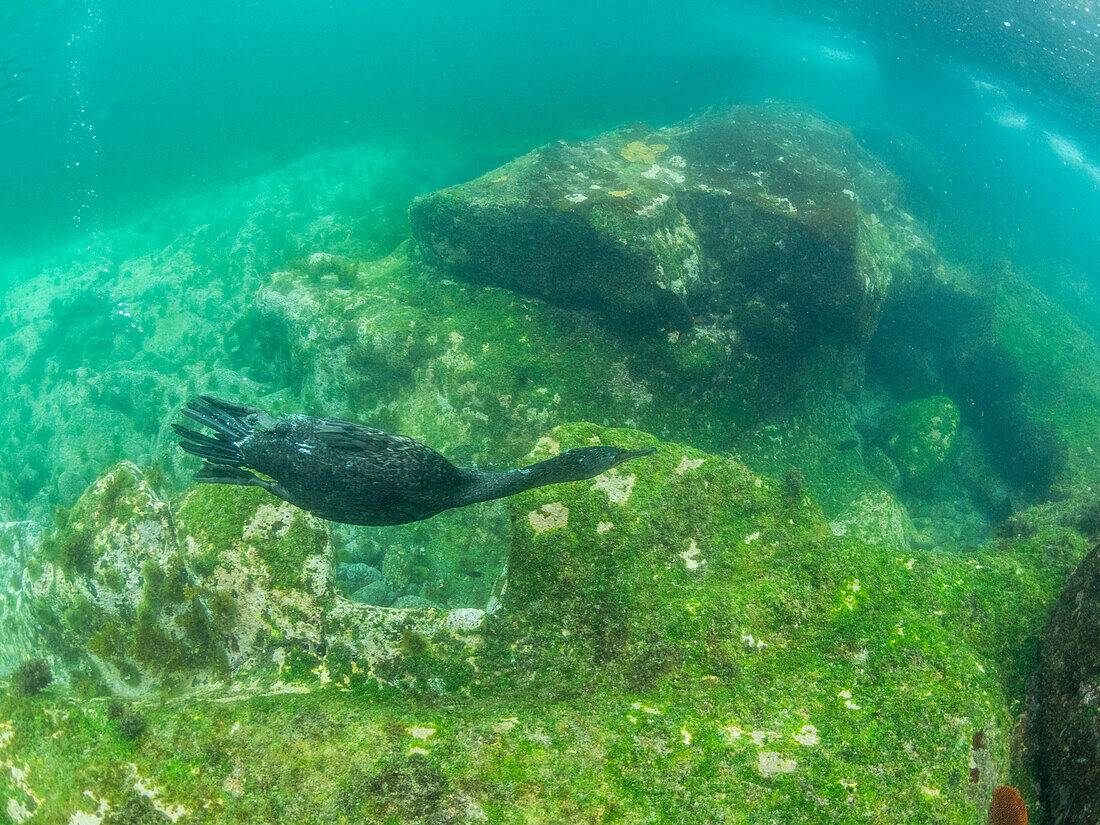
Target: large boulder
column 17, row 637
column 132, row 595
column 1069, row 722
column 768, row 226
column 921, row 438
column 680, row 635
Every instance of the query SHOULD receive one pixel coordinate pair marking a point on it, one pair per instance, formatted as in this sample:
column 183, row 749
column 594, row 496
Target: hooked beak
column 626, row 455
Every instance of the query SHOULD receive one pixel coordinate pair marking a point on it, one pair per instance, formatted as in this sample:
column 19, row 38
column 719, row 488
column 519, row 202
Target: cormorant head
column 586, row 462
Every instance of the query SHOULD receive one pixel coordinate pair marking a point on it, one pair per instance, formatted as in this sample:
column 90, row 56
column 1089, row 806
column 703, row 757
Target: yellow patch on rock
column 638, row 152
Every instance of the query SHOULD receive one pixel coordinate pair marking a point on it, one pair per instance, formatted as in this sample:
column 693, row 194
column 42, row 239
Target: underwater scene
column 453, row 412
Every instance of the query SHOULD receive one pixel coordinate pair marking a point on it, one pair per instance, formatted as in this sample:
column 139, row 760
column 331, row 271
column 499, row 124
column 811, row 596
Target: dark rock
column 358, row 575
column 376, row 593
column 767, row 225
column 920, row 437
column 31, row 677
column 1069, row 726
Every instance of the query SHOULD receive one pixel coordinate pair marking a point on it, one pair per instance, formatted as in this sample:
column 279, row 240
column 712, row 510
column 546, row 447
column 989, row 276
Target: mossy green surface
column 921, row 438
column 220, row 518
column 678, row 641
column 1060, row 364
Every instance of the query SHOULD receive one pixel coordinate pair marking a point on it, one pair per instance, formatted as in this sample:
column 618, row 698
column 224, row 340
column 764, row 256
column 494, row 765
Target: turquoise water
column 215, row 198
column 153, row 101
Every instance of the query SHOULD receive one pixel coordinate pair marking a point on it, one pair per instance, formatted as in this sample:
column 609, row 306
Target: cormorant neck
column 486, row 485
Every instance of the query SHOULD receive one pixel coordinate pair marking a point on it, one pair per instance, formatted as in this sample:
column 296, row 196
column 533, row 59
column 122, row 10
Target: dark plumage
column 343, row 471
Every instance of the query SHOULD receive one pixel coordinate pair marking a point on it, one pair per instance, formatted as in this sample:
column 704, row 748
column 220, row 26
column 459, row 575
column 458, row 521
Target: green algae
column 1058, row 362
column 921, row 438
column 220, row 518
column 678, row 640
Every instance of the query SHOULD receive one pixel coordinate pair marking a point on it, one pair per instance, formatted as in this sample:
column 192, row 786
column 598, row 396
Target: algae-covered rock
column 680, row 635
column 767, row 224
column 17, row 568
column 1048, row 436
column 269, row 563
column 114, row 592
column 876, row 518
column 690, row 569
column 1069, row 696
column 920, row 436
column 231, row 585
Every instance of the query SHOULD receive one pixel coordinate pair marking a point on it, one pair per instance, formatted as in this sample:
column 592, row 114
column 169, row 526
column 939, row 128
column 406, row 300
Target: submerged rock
column 876, row 518
column 17, row 568
column 679, row 634
column 768, row 226
column 921, row 437
column 358, row 574
column 1069, row 724
column 376, row 592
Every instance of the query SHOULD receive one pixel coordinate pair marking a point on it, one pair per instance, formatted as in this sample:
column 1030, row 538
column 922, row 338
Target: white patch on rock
column 550, row 516
column 577, row 198
column 17, row 811
column 688, row 464
column 81, row 818
column 173, row 812
column 807, row 736
column 654, row 205
column 603, row 527
column 617, row 487
column 658, row 172
column 318, row 572
column 687, row 736
column 692, row 560
column 749, row 539
column 677, row 161
column 770, row 763
column 749, row 641
column 464, row 618
column 270, row 520
column 421, row 733
column 420, row 751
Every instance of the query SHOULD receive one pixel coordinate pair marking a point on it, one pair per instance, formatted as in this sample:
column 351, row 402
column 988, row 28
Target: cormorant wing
column 358, row 438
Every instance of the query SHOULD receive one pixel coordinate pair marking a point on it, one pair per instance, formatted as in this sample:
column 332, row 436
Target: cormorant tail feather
column 220, row 450
column 222, row 420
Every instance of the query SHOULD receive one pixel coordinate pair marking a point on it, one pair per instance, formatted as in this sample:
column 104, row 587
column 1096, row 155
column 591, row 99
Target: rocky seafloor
column 825, row 598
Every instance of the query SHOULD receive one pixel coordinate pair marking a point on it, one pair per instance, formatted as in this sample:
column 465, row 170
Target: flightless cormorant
column 347, row 472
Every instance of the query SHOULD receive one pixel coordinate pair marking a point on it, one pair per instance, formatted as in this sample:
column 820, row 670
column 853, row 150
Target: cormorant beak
column 626, row 455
